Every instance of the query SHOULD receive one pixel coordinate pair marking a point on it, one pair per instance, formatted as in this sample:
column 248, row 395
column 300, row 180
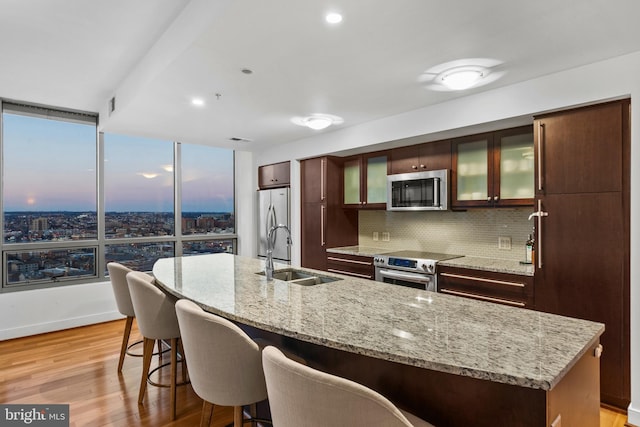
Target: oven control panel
column 406, row 264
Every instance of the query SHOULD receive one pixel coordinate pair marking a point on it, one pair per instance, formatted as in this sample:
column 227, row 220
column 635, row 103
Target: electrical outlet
column 385, row 236
column 375, row 235
column 504, row 242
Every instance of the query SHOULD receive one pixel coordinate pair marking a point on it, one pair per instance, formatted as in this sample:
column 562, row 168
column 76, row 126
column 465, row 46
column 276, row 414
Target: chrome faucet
column 268, row 267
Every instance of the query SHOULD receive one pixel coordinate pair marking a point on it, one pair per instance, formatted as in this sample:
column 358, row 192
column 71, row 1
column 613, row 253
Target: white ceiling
column 154, row 55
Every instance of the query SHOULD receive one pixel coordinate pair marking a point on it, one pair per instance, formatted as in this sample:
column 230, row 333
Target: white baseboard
column 633, row 415
column 40, row 328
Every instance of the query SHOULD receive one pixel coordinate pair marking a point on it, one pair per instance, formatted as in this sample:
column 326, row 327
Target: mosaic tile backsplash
column 471, row 233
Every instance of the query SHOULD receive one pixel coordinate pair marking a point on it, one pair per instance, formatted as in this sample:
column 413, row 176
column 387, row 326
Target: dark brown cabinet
column 325, row 223
column 351, row 265
column 275, row 175
column 493, row 169
column 582, row 233
column 421, row 157
column 365, row 180
column 502, row 288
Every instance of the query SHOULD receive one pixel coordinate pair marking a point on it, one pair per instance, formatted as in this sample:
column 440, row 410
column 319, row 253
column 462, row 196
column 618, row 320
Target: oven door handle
column 418, row 278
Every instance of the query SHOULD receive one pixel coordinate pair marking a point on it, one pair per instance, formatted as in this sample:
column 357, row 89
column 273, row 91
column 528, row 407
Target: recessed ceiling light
column 461, row 78
column 317, row 121
column 198, row 102
column 333, row 18
column 462, row 74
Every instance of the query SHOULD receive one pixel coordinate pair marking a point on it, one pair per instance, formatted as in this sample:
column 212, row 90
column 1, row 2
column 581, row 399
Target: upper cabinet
column 365, row 181
column 275, row 175
column 598, row 130
column 493, row 169
column 422, row 157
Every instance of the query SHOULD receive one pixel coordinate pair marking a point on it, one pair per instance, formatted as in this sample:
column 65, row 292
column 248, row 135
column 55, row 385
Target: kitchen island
column 450, row 360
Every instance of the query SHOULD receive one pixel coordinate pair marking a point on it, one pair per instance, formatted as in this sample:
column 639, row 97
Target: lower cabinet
column 502, row 288
column 351, row 265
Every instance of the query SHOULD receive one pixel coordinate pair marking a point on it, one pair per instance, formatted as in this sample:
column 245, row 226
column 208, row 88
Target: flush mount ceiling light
column 333, row 18
column 198, row 102
column 317, row 121
column 461, row 78
column 462, row 74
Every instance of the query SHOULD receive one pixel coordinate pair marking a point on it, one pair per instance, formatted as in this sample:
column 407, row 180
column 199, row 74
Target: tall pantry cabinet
column 582, row 229
column 325, row 223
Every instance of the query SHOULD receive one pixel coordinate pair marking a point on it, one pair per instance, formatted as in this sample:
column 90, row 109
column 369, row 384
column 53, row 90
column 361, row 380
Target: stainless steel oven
column 414, row 269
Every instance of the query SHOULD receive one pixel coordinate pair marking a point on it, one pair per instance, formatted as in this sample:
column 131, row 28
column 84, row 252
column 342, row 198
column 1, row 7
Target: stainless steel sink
column 301, row 277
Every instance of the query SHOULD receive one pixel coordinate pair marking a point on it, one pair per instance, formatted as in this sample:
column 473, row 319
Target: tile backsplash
column 474, row 232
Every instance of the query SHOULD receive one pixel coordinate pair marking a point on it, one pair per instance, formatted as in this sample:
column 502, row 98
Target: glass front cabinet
column 493, row 169
column 365, row 181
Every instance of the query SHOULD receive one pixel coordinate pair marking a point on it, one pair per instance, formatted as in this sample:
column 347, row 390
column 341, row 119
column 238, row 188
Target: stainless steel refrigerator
column 273, row 209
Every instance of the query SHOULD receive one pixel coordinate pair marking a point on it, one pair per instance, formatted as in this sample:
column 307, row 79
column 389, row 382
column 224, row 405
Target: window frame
column 101, row 243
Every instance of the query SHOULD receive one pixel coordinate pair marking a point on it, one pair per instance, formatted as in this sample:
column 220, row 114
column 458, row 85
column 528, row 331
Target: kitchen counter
column 394, row 323
column 490, row 264
column 474, row 263
column 358, row 250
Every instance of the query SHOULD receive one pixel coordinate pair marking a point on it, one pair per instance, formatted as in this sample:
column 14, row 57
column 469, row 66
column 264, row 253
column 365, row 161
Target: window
column 138, row 256
column 207, row 190
column 49, row 176
column 57, row 231
column 138, row 187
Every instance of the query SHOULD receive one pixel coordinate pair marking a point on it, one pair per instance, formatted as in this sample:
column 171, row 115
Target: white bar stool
column 303, row 396
column 156, row 317
column 224, row 362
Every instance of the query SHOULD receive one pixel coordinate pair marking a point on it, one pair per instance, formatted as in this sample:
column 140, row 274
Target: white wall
column 33, row 312
column 23, row 313
column 516, row 104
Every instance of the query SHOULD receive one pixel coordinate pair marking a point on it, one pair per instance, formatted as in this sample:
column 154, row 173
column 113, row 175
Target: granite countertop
column 358, row 250
column 474, row 263
column 490, row 264
column 415, row 327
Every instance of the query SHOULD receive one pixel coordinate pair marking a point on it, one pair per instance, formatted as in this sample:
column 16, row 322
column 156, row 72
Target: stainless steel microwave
column 418, row 191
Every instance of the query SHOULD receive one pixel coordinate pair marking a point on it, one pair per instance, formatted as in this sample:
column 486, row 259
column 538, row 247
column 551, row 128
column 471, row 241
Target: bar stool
column 118, row 279
column 303, row 396
column 224, row 362
column 156, row 317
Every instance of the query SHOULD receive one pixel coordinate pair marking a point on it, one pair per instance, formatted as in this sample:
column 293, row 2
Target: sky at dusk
column 50, row 165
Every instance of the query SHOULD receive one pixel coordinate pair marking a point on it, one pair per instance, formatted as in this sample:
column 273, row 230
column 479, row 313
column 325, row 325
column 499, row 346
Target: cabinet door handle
column 482, row 279
column 482, row 297
column 539, row 242
column 351, row 261
column 489, row 199
column 322, row 210
column 422, row 166
column 414, row 167
column 322, row 172
column 348, row 273
column 496, row 198
column 540, row 142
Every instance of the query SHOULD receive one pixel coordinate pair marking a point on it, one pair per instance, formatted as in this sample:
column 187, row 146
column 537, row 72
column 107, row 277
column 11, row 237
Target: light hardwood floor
column 79, row 367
